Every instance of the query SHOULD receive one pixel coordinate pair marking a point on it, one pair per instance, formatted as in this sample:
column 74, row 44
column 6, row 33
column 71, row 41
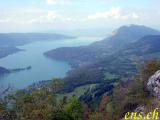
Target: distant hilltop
column 10, row 41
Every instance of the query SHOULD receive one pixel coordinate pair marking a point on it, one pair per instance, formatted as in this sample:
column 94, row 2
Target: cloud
column 29, row 16
column 54, row 2
column 49, row 17
column 113, row 13
column 33, row 16
column 41, row 17
column 135, row 15
column 53, row 15
column 51, row 2
column 38, row 18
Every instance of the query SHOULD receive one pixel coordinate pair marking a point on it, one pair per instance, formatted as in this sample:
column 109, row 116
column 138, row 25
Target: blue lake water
column 43, row 68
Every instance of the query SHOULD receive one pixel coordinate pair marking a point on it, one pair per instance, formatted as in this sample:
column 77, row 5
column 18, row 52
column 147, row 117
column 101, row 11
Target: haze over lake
column 43, row 68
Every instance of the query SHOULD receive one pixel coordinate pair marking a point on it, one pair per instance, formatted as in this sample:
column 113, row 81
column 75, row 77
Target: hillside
column 119, row 65
column 3, row 71
column 7, row 50
column 97, row 103
column 146, row 45
column 9, row 41
column 119, row 39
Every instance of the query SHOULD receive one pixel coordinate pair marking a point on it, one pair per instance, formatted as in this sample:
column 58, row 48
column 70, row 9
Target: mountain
column 119, row 39
column 3, row 71
column 9, row 41
column 7, row 50
column 123, row 62
column 147, row 45
column 118, row 65
column 15, row 39
column 127, row 34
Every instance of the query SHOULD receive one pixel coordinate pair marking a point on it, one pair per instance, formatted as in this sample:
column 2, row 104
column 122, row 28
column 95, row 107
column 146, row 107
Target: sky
column 52, row 15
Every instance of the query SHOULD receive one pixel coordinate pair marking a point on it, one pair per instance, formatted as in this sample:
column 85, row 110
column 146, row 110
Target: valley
column 118, row 55
column 79, row 60
column 103, row 75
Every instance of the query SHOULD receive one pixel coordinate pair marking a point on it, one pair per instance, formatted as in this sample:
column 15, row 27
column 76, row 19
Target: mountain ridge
column 78, row 56
column 10, row 41
column 121, row 63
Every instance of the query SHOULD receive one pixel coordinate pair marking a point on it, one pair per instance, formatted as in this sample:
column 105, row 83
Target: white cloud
column 135, row 15
column 113, row 13
column 49, row 17
column 5, row 20
column 54, row 2
column 40, row 17
column 51, row 2
column 52, row 15
column 34, row 17
column 29, row 16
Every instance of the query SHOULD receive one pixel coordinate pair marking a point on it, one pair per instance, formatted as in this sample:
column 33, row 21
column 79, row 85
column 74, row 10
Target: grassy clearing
column 77, row 92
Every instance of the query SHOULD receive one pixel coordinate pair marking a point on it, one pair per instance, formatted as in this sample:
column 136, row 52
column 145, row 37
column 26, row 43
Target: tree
column 61, row 115
column 75, row 109
column 56, row 85
column 39, row 104
column 103, row 104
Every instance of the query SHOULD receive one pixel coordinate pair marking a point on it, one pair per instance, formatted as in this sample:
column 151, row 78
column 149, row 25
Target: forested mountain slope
column 119, row 39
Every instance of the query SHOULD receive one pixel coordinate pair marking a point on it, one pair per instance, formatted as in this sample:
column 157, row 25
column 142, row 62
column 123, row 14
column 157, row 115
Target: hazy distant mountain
column 119, row 39
column 6, row 50
column 125, row 35
column 3, row 71
column 9, row 41
column 15, row 39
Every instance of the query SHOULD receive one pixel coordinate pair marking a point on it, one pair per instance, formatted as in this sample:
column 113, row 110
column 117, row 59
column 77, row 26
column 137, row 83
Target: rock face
column 153, row 84
column 139, row 109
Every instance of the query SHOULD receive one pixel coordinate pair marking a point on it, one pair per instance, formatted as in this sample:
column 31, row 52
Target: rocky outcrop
column 139, row 109
column 153, row 84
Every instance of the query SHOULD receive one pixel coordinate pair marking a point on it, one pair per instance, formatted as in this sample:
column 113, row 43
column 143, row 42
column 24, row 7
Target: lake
column 43, row 68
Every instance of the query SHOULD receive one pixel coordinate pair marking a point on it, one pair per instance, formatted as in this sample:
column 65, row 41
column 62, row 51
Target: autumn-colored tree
column 87, row 111
column 127, row 97
column 149, row 68
column 37, row 105
column 103, row 104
